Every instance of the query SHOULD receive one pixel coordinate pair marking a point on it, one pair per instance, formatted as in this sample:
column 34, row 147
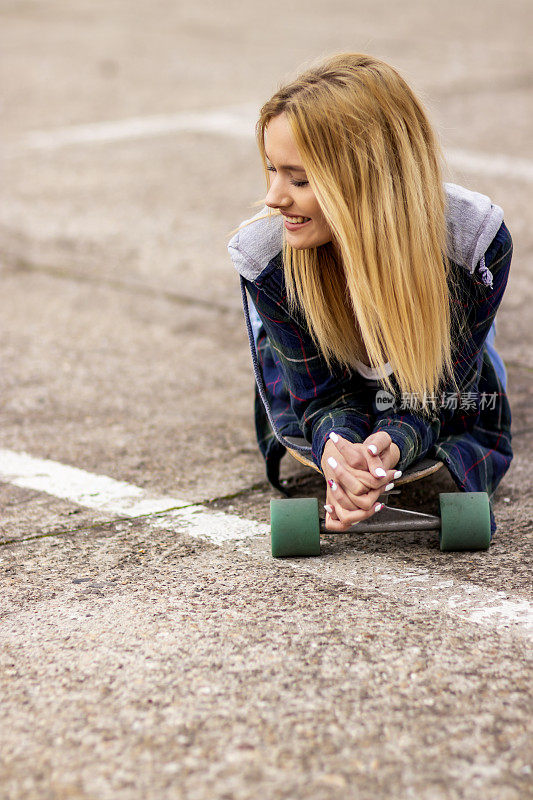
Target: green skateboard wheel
column 465, row 521
column 294, row 527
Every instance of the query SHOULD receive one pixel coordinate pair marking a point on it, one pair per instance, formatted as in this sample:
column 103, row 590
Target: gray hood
column 472, row 221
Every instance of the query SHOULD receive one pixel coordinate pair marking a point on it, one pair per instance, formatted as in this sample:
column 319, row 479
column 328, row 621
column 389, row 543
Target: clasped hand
column 356, row 475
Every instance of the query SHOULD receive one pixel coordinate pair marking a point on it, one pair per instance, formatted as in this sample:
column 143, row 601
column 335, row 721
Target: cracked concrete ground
column 138, row 661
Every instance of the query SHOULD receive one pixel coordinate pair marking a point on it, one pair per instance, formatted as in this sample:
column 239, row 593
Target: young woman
column 373, row 291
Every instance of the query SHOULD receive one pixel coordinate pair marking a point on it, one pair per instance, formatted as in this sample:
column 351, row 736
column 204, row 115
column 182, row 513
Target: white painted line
column 495, row 166
column 84, row 488
column 212, row 526
column 477, row 605
column 226, row 121
column 370, row 572
column 122, row 499
column 238, row 122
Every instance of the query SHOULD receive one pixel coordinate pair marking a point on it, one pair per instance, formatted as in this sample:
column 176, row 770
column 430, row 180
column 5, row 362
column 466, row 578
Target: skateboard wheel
column 465, row 521
column 294, row 527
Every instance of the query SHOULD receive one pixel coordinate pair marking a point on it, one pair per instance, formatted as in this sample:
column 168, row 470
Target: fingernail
column 389, row 486
column 332, row 484
column 333, row 464
column 380, row 472
column 334, row 438
column 398, row 473
column 373, row 449
column 378, row 506
column 329, row 509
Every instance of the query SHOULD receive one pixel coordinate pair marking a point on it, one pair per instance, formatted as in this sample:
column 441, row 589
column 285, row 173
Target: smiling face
column 290, row 191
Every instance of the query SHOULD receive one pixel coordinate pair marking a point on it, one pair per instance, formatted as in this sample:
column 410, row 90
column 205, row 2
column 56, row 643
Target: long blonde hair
column 373, row 162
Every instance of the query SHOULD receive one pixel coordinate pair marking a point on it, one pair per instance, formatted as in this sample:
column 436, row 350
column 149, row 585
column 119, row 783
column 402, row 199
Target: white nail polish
column 380, row 472
column 398, row 473
column 333, row 464
column 329, row 509
column 334, row 438
column 389, row 486
column 333, row 486
column 373, row 449
column 378, row 507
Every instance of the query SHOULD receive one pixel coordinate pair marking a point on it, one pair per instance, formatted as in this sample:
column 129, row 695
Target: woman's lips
column 295, row 223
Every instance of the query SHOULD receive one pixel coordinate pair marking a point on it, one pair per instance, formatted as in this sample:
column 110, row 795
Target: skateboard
column 463, row 524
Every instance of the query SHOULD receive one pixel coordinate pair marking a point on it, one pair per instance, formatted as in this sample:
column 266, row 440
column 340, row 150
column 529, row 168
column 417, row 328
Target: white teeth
column 296, row 220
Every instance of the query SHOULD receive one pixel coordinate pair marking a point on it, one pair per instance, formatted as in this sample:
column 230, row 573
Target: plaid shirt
column 469, row 432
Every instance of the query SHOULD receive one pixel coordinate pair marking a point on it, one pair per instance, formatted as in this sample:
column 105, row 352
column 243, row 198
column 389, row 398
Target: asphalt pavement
column 151, row 647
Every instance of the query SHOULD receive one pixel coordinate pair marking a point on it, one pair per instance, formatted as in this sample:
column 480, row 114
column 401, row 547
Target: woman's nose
column 276, row 197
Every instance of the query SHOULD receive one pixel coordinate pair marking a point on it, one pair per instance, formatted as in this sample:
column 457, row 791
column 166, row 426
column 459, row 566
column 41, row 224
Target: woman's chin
column 306, row 239
column 298, row 241
column 301, row 244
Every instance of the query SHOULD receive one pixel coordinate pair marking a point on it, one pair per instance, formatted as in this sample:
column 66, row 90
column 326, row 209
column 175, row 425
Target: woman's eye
column 270, row 168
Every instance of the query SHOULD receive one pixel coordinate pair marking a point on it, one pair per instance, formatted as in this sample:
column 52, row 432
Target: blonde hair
column 373, row 162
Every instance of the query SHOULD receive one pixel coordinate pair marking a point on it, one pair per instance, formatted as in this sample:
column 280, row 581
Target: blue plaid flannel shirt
column 471, row 435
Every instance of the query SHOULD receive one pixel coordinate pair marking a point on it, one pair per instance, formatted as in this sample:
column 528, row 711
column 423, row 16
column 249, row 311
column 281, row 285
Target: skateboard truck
column 393, row 520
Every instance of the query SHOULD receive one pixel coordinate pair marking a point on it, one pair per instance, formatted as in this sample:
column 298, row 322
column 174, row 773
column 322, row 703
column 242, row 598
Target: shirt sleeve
column 480, row 295
column 322, row 399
